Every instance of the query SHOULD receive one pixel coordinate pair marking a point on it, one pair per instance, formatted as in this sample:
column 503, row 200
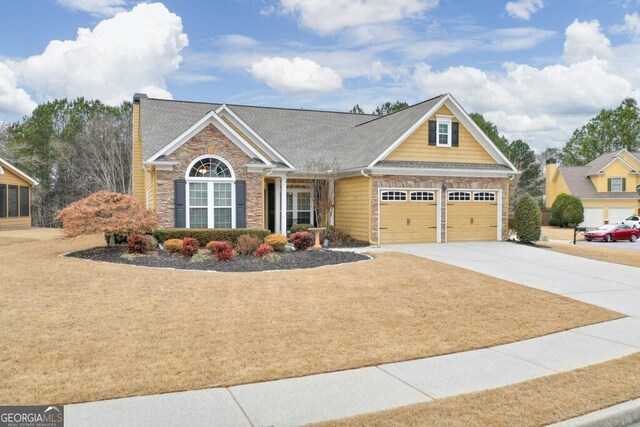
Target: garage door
column 472, row 216
column 408, row 216
column 593, row 217
column 616, row 215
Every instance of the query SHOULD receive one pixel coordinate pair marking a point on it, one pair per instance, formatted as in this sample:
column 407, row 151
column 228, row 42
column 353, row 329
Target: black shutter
column 3, row 200
column 624, row 184
column 241, row 204
column 432, row 132
column 454, row 134
column 24, row 201
column 179, row 192
column 609, row 184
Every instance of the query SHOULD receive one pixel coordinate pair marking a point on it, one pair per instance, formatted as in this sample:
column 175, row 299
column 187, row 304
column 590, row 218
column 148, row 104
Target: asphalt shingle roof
column 442, row 165
column 301, row 136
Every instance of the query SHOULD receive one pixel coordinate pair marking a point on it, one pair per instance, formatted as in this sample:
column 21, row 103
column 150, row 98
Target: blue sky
column 536, row 68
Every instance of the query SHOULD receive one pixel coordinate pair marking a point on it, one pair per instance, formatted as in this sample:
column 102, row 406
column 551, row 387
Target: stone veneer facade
column 208, row 141
column 442, row 183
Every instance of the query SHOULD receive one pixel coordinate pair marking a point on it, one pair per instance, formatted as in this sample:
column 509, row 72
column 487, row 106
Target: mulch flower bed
column 283, row 260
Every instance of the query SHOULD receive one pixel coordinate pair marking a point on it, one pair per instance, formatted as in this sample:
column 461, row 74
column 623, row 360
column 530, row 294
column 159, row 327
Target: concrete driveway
column 612, row 286
column 634, row 246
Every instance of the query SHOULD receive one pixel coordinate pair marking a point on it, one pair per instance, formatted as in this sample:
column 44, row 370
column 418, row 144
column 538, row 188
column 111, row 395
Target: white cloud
column 238, row 40
column 297, row 75
column 330, row 16
column 631, row 26
column 132, row 52
column 523, row 9
column 95, row 7
column 585, row 40
column 13, row 100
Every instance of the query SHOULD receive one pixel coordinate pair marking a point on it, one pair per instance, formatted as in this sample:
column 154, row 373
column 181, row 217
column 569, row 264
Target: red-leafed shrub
column 190, row 246
column 263, row 250
column 224, row 251
column 247, row 244
column 136, row 244
column 301, row 240
column 211, row 246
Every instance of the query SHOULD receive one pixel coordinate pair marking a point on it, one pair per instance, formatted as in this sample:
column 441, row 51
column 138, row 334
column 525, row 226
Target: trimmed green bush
column 300, row 227
column 567, row 210
column 205, row 235
column 527, row 220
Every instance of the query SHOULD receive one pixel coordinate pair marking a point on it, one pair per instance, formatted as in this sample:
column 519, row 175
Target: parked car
column 633, row 221
column 613, row 232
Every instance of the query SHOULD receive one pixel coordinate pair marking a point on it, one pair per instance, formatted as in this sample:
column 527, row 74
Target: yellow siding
column 630, row 159
column 246, row 138
column 150, row 188
column 617, row 169
column 554, row 188
column 137, row 174
column 353, row 206
column 11, row 178
column 416, row 147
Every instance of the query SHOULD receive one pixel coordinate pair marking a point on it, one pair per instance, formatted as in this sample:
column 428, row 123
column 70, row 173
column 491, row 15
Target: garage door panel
column 593, row 217
column 617, row 215
column 408, row 222
column 472, row 220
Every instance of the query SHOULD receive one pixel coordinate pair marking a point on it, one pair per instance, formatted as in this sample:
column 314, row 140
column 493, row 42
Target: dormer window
column 444, row 131
column 616, row 184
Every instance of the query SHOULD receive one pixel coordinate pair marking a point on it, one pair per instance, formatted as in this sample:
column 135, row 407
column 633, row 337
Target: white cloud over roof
column 296, row 75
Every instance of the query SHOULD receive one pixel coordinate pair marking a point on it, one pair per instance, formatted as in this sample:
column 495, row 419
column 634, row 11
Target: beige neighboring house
column 423, row 174
column 15, row 196
column 609, row 186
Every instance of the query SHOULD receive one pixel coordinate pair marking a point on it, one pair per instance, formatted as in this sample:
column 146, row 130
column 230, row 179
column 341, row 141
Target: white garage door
column 593, row 217
column 616, row 215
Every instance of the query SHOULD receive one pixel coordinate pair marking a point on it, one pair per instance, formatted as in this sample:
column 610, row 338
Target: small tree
column 322, row 176
column 527, row 219
column 567, row 210
column 105, row 212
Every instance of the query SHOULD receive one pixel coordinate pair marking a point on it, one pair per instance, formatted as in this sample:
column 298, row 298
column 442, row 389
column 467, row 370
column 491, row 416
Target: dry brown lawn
column 557, row 233
column 11, row 237
column 609, row 254
column 75, row 330
column 533, row 403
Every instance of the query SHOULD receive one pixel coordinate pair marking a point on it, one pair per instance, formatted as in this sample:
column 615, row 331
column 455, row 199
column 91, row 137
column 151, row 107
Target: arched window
column 210, row 193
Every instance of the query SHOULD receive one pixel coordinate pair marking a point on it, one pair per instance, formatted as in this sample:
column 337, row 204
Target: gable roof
column 580, row 185
column 17, row 171
column 349, row 140
column 602, row 161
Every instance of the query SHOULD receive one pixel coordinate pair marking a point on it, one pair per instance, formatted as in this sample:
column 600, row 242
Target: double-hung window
column 616, row 184
column 210, row 183
column 443, row 128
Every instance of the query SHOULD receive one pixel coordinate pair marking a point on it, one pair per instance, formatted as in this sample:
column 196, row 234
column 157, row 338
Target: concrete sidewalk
column 340, row 394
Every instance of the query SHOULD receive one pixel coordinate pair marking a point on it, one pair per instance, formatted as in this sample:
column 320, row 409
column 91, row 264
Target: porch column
column 283, row 205
column 332, row 197
column 276, row 215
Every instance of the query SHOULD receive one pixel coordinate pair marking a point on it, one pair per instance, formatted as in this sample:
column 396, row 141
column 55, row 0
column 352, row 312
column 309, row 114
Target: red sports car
column 613, row 232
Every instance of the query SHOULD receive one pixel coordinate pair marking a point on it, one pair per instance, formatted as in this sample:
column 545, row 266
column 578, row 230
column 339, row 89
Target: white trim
column 445, row 120
column 257, row 139
column 208, row 156
column 438, row 196
column 283, row 205
column 465, row 120
column 17, row 172
column 472, row 190
column 631, row 168
column 1, row 170
column 441, row 172
column 210, row 118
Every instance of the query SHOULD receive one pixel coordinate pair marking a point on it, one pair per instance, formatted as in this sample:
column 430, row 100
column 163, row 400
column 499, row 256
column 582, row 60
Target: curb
column 622, row 415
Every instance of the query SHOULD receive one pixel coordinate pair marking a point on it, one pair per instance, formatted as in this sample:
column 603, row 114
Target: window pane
column 443, row 128
column 197, row 194
column 222, row 194
column 222, row 218
column 289, row 201
column 13, row 200
column 616, row 184
column 443, row 139
column 198, row 218
column 24, row 201
column 304, row 217
column 304, row 201
column 289, row 220
column 3, row 200
column 210, row 168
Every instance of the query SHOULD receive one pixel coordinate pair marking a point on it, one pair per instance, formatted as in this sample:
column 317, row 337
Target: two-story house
column 609, row 186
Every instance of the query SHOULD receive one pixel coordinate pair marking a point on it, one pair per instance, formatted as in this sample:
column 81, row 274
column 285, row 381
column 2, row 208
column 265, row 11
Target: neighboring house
column 608, row 186
column 423, row 174
column 15, row 196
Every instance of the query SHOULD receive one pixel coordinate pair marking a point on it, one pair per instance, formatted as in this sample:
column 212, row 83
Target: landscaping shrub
column 206, row 235
column 566, row 210
column 276, row 241
column 301, row 240
column 150, row 242
column 263, row 250
column 224, row 251
column 300, row 227
column 189, row 246
column 119, row 239
column 527, row 220
column 211, row 246
column 337, row 237
column 173, row 245
column 247, row 244
column 136, row 244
